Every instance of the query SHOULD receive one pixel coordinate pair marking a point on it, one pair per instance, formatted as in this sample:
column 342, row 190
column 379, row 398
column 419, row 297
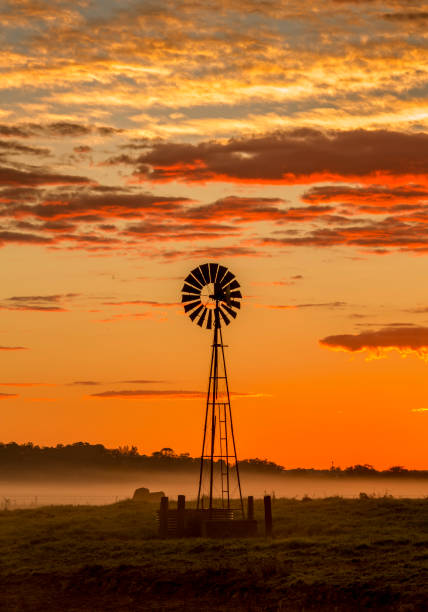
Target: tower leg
column 218, row 417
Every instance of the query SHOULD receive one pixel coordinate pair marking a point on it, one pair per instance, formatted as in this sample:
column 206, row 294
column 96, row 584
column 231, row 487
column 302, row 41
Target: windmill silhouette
column 211, row 297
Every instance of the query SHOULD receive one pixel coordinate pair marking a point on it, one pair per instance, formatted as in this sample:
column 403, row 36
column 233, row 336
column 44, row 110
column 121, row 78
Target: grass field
column 329, row 554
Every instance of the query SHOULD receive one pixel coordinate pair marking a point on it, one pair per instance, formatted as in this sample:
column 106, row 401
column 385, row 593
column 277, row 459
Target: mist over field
column 21, row 493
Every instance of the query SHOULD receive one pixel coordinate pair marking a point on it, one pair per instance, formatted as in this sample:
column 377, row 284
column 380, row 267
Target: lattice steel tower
column 211, row 297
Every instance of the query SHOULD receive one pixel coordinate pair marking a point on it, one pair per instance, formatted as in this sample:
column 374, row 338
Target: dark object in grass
column 144, row 495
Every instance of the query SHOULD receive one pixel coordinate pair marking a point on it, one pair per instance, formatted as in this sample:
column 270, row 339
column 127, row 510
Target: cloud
column 300, row 306
column 13, row 130
column 371, row 196
column 290, row 157
column 155, row 304
column 42, row 298
column 93, row 383
column 406, row 234
column 213, row 253
column 16, row 148
column 23, row 238
column 149, row 394
column 164, row 394
column 82, row 149
column 247, row 209
column 91, row 206
column 57, row 129
column 418, row 310
column 7, row 395
column 13, row 348
column 140, row 382
column 177, row 231
column 28, row 178
column 404, row 340
column 420, row 16
column 37, row 303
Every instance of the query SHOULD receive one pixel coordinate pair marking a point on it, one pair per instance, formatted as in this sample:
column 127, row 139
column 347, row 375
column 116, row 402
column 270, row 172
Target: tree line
column 82, row 456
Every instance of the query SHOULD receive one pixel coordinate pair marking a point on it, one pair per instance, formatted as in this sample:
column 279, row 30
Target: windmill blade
column 195, row 313
column 210, row 319
column 225, row 318
column 189, row 289
column 229, row 310
column 202, row 317
column 220, row 273
column 227, row 278
column 235, row 304
column 205, row 269
column 213, row 271
column 234, row 284
column 189, row 307
column 190, row 298
column 235, row 294
column 198, row 275
column 227, row 294
column 192, row 281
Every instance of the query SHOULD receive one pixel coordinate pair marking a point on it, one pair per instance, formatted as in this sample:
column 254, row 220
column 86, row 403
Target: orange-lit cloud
column 408, row 234
column 164, row 394
column 404, row 340
column 214, row 252
column 37, row 303
column 13, row 177
column 149, row 394
column 144, row 303
column 7, row 395
column 291, row 157
column 13, row 348
column 299, row 306
column 388, row 198
column 244, row 209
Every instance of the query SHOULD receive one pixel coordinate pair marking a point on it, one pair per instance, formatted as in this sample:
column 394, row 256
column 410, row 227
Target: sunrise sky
column 287, row 140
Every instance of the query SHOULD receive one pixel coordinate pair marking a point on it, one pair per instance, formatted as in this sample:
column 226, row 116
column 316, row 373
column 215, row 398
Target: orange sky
column 285, row 140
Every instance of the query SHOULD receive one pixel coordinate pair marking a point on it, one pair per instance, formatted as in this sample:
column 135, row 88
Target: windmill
column 211, row 297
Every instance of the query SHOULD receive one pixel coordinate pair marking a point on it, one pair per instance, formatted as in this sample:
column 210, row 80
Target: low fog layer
column 37, row 493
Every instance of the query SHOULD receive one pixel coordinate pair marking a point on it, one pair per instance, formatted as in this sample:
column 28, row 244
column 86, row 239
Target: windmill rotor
column 210, row 294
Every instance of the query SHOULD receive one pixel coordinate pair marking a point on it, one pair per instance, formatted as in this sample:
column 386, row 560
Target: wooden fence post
column 181, row 503
column 163, row 518
column 250, row 508
column 268, row 515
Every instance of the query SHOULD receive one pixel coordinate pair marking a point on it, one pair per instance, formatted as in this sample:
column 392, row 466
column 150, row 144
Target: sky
column 286, row 140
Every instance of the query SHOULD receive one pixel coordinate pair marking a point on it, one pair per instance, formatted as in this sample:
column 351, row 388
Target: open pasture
column 328, row 554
